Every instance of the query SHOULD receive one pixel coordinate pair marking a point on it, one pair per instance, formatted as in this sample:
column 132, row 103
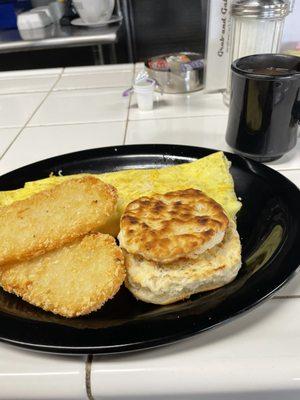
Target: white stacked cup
column 94, row 11
column 144, row 90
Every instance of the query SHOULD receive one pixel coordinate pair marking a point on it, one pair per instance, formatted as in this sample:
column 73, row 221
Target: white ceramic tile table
column 7, row 135
column 247, row 359
column 16, row 109
column 95, row 77
column 176, row 105
column 203, row 131
column 36, row 376
column 53, row 140
column 255, row 357
column 82, row 106
column 29, row 81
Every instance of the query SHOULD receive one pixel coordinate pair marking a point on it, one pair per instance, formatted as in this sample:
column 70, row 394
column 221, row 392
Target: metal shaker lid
column 260, row 8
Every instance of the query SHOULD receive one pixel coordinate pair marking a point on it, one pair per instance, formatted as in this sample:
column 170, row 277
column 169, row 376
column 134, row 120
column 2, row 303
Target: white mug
column 93, row 11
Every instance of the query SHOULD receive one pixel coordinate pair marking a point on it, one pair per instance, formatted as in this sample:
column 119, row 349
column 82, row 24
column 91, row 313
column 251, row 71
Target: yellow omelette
column 209, row 174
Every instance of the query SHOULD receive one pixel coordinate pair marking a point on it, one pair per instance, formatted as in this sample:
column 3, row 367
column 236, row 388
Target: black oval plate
column 269, row 225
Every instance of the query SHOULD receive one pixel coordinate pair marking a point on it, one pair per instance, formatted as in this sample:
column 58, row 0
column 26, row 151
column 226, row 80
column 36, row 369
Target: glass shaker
column 256, row 28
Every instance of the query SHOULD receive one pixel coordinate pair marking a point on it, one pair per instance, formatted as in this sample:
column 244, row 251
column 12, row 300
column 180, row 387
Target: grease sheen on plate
column 269, row 227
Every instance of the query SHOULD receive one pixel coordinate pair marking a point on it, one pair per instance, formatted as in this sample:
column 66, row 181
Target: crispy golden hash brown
column 166, row 227
column 53, row 217
column 167, row 283
column 70, row 281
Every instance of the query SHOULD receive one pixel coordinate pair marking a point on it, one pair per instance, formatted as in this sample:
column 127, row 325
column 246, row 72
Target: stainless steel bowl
column 174, row 79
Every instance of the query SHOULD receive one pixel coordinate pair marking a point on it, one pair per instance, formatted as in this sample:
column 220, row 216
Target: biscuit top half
column 166, row 227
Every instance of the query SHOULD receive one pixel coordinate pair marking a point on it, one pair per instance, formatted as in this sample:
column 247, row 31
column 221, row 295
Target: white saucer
column 79, row 22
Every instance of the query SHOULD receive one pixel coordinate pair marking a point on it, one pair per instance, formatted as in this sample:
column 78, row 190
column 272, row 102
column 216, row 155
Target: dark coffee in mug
column 268, row 71
column 264, row 106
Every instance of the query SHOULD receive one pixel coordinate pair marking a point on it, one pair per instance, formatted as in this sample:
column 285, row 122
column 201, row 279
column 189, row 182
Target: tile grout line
column 76, row 123
column 178, row 117
column 65, row 89
column 24, row 92
column 91, row 88
column 120, row 120
column 57, row 74
column 88, row 370
column 151, row 119
column 11, row 143
column 286, row 297
column 129, row 105
column 284, row 170
column 32, row 115
column 89, row 359
column 127, row 120
column 104, row 71
column 24, row 73
column 63, row 72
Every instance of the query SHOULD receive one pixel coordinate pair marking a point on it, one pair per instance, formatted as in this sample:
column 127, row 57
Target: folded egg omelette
column 209, row 174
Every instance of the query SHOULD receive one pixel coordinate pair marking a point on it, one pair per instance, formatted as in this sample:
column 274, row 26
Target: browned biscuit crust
column 166, row 227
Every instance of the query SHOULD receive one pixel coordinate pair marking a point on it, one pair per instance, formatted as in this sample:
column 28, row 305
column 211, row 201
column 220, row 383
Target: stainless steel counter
column 55, row 36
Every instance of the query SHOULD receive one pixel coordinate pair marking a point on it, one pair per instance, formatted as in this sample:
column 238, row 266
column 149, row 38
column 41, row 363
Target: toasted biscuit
column 166, row 227
column 166, row 284
column 53, row 217
column 70, row 281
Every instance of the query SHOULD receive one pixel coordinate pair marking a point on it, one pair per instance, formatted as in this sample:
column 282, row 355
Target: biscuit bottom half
column 168, row 283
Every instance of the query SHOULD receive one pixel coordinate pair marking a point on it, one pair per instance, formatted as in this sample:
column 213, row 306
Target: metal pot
column 176, row 76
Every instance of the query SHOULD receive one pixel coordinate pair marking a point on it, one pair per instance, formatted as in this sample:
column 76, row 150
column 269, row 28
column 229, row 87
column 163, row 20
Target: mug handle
column 296, row 111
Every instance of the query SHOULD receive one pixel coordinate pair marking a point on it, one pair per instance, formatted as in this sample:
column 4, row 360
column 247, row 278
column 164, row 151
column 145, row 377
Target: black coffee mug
column 264, row 106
